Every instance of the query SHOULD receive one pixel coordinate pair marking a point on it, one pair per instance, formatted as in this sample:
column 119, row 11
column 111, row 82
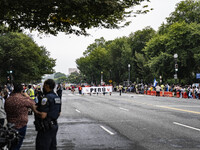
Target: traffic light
column 9, row 72
column 176, row 67
column 9, row 76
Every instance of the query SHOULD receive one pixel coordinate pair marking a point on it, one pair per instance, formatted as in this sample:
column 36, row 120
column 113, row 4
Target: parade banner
column 99, row 89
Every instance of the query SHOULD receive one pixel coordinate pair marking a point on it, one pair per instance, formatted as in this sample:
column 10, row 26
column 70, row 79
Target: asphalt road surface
column 127, row 122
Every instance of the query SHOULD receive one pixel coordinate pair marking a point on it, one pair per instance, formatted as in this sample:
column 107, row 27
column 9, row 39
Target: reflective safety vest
column 31, row 93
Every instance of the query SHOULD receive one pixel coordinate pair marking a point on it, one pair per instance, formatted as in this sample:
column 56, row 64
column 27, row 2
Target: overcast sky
column 67, row 48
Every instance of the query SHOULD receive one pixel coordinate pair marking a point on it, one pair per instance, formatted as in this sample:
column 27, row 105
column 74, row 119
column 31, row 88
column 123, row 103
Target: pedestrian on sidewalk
column 16, row 107
column 59, row 91
column 163, row 89
column 158, row 88
column 80, row 89
column 120, row 89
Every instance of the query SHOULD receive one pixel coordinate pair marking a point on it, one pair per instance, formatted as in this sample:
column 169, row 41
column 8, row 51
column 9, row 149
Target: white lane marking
column 111, row 133
column 71, row 94
column 78, row 111
column 186, row 126
column 123, row 109
column 139, row 95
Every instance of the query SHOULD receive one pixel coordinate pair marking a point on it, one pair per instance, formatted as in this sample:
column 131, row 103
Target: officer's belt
column 54, row 122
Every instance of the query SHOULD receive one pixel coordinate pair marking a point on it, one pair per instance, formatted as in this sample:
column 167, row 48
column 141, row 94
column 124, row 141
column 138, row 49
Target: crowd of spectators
column 192, row 91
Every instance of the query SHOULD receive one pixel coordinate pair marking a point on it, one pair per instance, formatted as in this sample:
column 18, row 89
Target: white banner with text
column 99, row 89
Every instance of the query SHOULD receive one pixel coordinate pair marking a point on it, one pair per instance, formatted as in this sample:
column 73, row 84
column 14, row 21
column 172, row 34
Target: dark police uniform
column 47, row 128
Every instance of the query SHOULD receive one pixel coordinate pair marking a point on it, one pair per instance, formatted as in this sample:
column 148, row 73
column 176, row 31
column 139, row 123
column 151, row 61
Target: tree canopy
column 69, row 16
column 180, row 38
column 188, row 11
column 109, row 58
column 150, row 53
column 58, row 75
column 76, row 78
column 25, row 59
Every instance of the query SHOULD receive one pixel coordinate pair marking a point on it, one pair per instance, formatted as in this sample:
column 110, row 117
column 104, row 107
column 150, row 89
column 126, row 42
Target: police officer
column 49, row 109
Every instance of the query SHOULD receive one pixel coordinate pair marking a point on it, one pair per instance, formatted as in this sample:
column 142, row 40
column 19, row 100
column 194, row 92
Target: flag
column 155, row 83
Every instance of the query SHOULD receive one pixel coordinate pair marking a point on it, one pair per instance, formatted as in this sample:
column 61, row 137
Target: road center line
column 78, row 111
column 178, row 109
column 123, row 109
column 186, row 126
column 111, row 133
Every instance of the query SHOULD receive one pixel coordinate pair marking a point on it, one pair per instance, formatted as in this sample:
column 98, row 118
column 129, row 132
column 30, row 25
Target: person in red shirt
column 80, row 89
column 16, row 107
column 72, row 89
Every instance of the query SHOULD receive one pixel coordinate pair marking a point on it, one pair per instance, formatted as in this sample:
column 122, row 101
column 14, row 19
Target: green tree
column 180, row 38
column 119, row 52
column 98, row 42
column 137, row 41
column 188, row 11
column 28, row 61
column 110, row 58
column 141, row 70
column 76, row 78
column 84, row 65
column 58, row 75
column 95, row 61
column 61, row 79
column 93, row 64
column 69, row 16
column 47, row 63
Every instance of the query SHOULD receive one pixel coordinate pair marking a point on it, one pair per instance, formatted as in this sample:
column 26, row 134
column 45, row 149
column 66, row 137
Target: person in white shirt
column 158, row 88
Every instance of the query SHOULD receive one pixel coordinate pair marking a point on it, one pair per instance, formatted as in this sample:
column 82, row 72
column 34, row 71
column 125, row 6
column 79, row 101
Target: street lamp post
column 10, row 72
column 160, row 79
column 110, row 80
column 129, row 66
column 176, row 67
column 101, row 77
column 110, row 73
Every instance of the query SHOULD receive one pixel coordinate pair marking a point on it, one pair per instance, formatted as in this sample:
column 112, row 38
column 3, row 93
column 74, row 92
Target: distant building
column 71, row 70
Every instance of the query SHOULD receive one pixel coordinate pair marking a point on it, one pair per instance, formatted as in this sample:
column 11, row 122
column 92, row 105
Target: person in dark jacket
column 59, row 91
column 46, row 120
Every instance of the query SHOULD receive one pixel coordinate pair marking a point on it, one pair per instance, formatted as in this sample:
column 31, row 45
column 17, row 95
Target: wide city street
column 127, row 122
